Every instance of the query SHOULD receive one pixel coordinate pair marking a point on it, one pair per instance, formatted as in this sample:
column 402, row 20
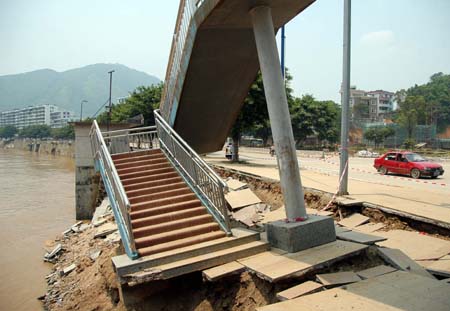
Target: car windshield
column 414, row 157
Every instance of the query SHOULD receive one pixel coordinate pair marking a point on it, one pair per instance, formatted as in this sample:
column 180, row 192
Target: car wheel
column 415, row 173
column 382, row 170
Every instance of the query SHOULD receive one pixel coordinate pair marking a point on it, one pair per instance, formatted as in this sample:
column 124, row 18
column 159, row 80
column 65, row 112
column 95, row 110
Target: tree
column 8, row 131
column 143, row 100
column 253, row 113
column 408, row 113
column 66, row 132
column 312, row 117
column 378, row 134
column 436, row 105
column 36, row 131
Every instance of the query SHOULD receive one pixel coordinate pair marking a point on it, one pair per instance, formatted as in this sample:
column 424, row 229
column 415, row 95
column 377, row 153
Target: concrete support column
column 277, row 105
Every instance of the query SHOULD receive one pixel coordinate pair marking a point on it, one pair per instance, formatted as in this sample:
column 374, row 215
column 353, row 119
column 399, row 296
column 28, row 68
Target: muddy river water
column 36, row 204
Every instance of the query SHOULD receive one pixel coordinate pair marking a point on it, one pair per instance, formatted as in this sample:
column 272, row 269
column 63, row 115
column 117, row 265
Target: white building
column 50, row 115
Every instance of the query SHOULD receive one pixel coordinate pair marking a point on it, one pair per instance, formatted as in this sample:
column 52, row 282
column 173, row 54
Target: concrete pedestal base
column 297, row 236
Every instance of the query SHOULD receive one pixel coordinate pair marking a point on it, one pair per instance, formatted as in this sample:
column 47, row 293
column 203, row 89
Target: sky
column 395, row 44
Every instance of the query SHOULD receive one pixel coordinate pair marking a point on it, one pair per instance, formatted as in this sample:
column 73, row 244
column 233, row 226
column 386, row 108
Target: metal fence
column 116, row 193
column 204, row 181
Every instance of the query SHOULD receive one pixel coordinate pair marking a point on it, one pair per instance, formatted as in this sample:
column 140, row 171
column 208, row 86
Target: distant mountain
column 68, row 88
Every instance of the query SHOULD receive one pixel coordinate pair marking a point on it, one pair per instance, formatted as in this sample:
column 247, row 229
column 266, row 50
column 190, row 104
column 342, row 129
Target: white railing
column 205, row 182
column 113, row 186
column 129, row 140
column 179, row 53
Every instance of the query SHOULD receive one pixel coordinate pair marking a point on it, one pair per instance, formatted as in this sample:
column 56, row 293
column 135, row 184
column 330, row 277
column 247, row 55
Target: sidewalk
column 432, row 205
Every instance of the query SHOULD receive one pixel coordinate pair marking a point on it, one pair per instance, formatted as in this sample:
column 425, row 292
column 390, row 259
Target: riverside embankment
column 36, row 203
column 64, row 148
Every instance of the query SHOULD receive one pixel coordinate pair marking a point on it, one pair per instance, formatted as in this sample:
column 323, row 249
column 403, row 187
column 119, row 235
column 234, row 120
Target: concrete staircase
column 165, row 213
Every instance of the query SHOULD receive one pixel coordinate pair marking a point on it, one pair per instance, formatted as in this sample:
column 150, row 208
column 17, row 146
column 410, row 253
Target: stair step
column 178, row 183
column 150, row 161
column 150, row 167
column 197, row 263
column 135, row 183
column 160, row 195
column 139, row 158
column 174, row 251
column 166, row 217
column 169, row 208
column 175, row 235
column 164, row 201
column 172, row 225
column 121, row 156
column 201, row 238
column 166, row 169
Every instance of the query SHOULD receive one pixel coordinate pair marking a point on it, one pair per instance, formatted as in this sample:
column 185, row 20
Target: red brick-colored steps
column 165, row 213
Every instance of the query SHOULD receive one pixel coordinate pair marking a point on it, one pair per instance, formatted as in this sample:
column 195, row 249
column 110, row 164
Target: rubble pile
column 82, row 276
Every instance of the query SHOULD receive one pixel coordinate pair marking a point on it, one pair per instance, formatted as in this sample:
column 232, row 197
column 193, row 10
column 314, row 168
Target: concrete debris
column 241, row 198
column 105, row 230
column 101, row 210
column 338, row 278
column 113, row 237
column 69, row 269
column 375, row 271
column 354, row 221
column 49, row 256
column 94, row 254
column 235, row 185
column 99, row 222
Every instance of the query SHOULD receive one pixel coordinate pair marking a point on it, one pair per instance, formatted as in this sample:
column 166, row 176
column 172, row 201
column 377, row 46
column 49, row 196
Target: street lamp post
column 81, row 112
column 108, row 121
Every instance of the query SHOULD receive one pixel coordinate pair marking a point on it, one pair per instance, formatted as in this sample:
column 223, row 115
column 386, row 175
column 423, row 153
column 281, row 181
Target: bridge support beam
column 298, row 232
column 280, row 120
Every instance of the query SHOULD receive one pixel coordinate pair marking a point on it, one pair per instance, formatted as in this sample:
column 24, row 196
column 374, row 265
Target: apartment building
column 50, row 115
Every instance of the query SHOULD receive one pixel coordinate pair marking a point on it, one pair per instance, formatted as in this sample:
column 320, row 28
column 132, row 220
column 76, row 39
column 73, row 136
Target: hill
column 68, row 88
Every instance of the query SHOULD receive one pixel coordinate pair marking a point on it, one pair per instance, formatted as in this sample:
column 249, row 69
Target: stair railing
column 182, row 42
column 114, row 188
column 130, row 140
column 203, row 180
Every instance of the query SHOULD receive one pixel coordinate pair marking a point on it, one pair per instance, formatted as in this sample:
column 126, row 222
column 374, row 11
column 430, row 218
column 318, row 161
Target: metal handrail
column 130, row 140
column 116, row 192
column 183, row 28
column 200, row 176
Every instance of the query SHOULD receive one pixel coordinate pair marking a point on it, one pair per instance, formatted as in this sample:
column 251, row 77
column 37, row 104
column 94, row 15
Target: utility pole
column 283, row 53
column 343, row 168
column 108, row 121
column 81, row 112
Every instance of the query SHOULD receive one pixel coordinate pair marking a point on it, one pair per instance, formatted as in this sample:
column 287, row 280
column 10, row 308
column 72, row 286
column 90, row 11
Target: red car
column 407, row 163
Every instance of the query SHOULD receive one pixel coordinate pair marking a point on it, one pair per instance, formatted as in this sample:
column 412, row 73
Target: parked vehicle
column 407, row 163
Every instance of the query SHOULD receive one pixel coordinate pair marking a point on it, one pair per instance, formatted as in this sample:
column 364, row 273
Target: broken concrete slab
column 375, row 271
column 401, row 261
column 305, row 288
column 219, row 272
column 101, row 210
column 99, row 222
column 241, row 198
column 247, row 215
column 439, row 267
column 370, row 227
column 69, row 269
column 354, row 220
column 53, row 252
column 348, row 202
column 274, row 266
column 391, row 292
column 338, row 278
column 235, row 184
column 358, row 237
column 415, row 245
column 340, row 229
column 105, row 230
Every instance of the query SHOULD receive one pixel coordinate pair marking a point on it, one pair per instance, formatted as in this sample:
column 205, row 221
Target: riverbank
column 65, row 148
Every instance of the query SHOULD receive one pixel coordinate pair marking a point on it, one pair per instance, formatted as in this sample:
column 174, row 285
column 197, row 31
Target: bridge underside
column 223, row 65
